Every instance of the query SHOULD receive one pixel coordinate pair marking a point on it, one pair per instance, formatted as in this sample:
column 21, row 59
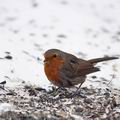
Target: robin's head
column 52, row 55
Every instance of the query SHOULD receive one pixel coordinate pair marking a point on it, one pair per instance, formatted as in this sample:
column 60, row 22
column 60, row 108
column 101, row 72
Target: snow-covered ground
column 86, row 28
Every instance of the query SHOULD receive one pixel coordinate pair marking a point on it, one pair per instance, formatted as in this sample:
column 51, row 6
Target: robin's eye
column 54, row 55
column 72, row 61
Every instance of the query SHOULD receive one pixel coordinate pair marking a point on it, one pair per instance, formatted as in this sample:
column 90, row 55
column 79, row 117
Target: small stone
column 62, row 36
column 8, row 57
column 94, row 77
column 78, row 109
column 88, row 100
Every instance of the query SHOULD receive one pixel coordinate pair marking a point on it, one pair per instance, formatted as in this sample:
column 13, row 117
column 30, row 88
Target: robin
column 66, row 70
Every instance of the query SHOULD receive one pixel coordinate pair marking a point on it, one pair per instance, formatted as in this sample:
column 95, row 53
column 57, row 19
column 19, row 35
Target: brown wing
column 86, row 67
column 75, row 67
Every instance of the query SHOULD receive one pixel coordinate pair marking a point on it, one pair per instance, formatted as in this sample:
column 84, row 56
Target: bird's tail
column 96, row 60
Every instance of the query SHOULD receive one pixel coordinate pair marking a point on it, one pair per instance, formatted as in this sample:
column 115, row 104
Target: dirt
column 32, row 103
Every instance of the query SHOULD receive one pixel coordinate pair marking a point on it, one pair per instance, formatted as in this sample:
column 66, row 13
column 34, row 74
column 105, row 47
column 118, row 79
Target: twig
column 113, row 76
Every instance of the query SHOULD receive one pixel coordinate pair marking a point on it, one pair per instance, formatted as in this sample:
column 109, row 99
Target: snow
column 6, row 107
column 30, row 27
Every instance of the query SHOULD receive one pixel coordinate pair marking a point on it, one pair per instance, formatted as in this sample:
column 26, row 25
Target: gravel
column 32, row 103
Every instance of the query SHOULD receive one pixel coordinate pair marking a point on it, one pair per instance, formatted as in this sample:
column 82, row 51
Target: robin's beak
column 46, row 61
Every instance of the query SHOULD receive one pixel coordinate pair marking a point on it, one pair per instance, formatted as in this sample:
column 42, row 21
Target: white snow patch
column 24, row 27
column 4, row 107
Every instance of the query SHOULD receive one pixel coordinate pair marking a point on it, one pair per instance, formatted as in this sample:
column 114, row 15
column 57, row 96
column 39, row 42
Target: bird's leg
column 57, row 90
column 78, row 88
column 74, row 93
column 54, row 89
column 77, row 91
